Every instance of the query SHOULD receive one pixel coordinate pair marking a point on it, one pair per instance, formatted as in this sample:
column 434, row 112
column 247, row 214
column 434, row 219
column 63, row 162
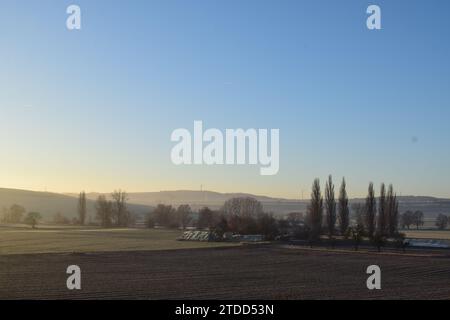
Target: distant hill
column 196, row 199
column 183, row 196
column 48, row 204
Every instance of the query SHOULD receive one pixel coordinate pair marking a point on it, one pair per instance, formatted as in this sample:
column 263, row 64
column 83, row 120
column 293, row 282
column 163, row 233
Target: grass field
column 66, row 240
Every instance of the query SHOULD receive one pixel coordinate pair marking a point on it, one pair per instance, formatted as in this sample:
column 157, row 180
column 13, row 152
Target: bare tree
column 330, row 206
column 370, row 211
column 343, row 210
column 33, row 219
column 14, row 214
column 418, row 219
column 165, row 216
column 241, row 214
column 104, row 210
column 407, row 219
column 315, row 211
column 82, row 207
column 184, row 215
column 242, row 207
column 267, row 226
column 121, row 213
column 205, row 218
column 442, row 222
column 221, row 226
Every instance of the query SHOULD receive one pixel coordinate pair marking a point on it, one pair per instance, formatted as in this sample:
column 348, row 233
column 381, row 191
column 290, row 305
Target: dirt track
column 224, row 273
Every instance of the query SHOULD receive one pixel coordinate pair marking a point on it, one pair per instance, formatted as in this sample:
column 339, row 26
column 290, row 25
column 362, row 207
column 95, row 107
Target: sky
column 94, row 109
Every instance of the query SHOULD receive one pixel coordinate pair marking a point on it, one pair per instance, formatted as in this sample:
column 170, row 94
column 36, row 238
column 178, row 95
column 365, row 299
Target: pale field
column 70, row 240
column 427, row 234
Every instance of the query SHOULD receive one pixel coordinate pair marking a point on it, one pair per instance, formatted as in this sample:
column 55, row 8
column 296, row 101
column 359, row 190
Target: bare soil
column 248, row 272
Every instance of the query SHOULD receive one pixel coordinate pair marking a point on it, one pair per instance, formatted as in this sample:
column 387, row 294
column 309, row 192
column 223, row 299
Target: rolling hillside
column 48, row 204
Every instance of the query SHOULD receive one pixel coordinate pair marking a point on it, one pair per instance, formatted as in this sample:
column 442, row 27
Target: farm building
column 199, row 236
column 212, row 236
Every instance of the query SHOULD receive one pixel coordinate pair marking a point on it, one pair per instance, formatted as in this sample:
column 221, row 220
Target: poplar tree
column 370, row 211
column 382, row 215
column 330, row 207
column 391, row 211
column 82, row 207
column 343, row 210
column 315, row 211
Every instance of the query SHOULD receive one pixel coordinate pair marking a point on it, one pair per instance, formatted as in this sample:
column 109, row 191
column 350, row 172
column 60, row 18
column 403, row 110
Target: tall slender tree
column 82, row 207
column 330, row 206
column 370, row 211
column 382, row 216
column 315, row 211
column 391, row 211
column 396, row 216
column 343, row 210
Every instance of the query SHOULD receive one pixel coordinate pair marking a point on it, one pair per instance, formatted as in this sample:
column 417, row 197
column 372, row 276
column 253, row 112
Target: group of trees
column 13, row 214
column 111, row 212
column 171, row 217
column 386, row 224
column 16, row 214
column 238, row 215
column 335, row 211
column 246, row 216
column 409, row 218
column 416, row 219
column 442, row 221
column 371, row 220
column 330, row 216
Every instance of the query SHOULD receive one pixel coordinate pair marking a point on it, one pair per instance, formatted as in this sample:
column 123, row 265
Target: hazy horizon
column 306, row 196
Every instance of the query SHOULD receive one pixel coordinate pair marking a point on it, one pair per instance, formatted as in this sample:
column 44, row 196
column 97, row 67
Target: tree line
column 113, row 212
column 18, row 214
column 326, row 215
column 237, row 215
column 377, row 219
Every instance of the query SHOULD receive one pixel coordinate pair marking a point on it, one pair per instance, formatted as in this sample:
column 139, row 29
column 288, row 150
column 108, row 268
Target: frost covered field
column 66, row 240
column 246, row 272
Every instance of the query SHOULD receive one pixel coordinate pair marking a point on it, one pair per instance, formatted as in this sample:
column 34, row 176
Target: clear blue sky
column 94, row 109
